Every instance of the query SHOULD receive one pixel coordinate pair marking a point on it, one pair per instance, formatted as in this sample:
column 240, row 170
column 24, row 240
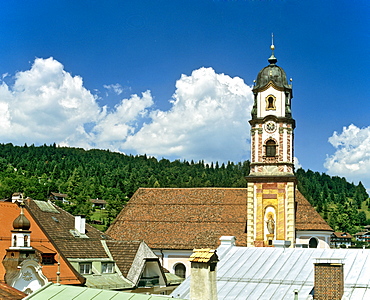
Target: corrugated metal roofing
column 63, row 292
column 274, row 273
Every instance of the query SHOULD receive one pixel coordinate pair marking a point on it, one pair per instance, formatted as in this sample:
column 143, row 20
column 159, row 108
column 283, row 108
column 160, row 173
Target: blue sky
column 172, row 78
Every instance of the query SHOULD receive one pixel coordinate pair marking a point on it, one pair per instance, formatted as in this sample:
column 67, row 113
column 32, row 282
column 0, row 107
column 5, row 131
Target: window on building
column 270, row 148
column 107, row 267
column 180, row 270
column 85, row 268
column 48, row 259
column 312, row 243
column 270, row 103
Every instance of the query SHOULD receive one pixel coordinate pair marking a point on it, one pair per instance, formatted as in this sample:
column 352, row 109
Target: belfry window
column 270, row 102
column 270, row 148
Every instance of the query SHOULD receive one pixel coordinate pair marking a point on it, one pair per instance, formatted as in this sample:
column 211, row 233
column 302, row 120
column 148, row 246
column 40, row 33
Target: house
column 58, row 197
column 340, row 238
column 363, row 236
column 283, row 273
column 64, row 249
column 104, row 262
column 98, row 203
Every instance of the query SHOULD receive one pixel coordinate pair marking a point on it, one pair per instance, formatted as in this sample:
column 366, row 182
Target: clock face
column 270, row 126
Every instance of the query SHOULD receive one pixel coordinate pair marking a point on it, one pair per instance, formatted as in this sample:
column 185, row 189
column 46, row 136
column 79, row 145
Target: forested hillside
column 114, row 177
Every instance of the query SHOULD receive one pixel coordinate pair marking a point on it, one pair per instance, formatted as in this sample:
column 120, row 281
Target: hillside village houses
column 270, row 210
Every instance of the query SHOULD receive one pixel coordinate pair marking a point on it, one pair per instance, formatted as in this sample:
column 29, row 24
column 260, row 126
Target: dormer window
column 85, row 268
column 107, row 267
column 270, row 102
column 270, row 148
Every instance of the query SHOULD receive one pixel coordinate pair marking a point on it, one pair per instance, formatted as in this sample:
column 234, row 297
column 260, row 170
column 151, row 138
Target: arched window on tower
column 270, row 148
column 270, row 102
column 180, row 270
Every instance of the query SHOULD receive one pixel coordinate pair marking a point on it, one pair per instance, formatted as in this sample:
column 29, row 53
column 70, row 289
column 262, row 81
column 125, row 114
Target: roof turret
column 21, row 222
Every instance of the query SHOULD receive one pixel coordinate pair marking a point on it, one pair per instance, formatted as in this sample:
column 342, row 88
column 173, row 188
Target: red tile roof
column 342, row 235
column 307, row 218
column 188, row 218
column 180, row 218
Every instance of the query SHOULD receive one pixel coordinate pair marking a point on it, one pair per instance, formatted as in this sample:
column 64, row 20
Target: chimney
column 281, row 244
column 203, row 274
column 329, row 279
column 80, row 222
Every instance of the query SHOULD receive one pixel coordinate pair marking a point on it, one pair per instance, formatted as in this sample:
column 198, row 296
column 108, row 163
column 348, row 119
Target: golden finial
column 272, row 42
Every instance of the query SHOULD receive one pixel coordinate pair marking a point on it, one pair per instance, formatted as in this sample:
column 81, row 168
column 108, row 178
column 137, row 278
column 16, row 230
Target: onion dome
column 21, row 222
column 272, row 73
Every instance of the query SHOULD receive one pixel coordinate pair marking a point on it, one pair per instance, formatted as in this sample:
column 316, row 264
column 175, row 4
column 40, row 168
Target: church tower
column 271, row 183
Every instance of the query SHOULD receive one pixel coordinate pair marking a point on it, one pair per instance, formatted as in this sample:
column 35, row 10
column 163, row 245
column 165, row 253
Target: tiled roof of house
column 307, row 218
column 58, row 223
column 123, row 253
column 342, row 235
column 9, row 293
column 183, row 218
column 98, row 201
column 59, row 195
column 188, row 218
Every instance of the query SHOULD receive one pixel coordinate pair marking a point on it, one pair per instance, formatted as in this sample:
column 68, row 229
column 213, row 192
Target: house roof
column 58, row 224
column 62, row 292
column 188, row 218
column 182, row 218
column 274, row 273
column 59, row 195
column 39, row 240
column 307, row 218
column 123, row 253
column 342, row 235
column 98, row 201
column 9, row 293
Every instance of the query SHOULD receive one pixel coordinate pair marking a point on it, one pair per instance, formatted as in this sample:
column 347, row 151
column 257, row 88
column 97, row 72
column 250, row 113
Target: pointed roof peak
column 272, row 60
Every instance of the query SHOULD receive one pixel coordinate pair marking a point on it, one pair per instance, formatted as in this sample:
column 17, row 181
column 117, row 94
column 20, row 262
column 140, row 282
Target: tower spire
column 272, row 60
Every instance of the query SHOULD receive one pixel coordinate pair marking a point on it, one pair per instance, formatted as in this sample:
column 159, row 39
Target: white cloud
column 297, row 164
column 46, row 105
column 352, row 155
column 208, row 120
column 110, row 132
column 116, row 88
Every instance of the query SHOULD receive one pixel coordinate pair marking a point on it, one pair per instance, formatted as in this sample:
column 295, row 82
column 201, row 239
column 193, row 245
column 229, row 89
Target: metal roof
column 63, row 292
column 274, row 273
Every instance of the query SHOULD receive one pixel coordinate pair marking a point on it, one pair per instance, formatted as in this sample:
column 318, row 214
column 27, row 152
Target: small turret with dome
column 21, row 223
column 21, row 233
